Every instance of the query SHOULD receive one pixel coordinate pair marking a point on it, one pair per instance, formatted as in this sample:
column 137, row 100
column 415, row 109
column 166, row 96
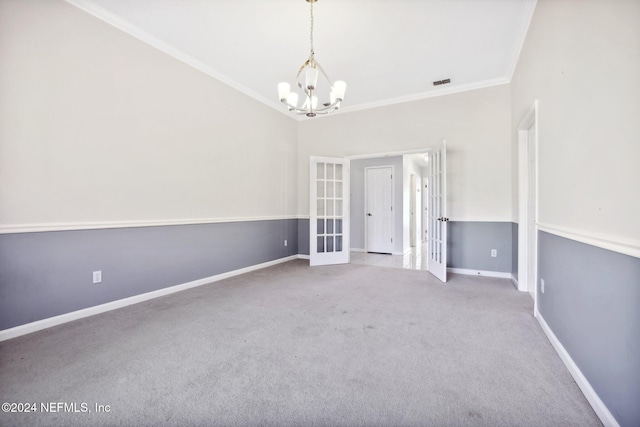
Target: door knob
column 369, row 214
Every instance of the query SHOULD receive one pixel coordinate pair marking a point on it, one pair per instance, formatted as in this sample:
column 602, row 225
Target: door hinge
column 392, row 240
column 391, row 207
column 391, row 176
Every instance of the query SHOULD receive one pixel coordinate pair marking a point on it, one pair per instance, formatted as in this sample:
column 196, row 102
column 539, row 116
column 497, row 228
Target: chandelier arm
column 295, row 109
column 329, row 108
column 324, row 73
column 305, row 65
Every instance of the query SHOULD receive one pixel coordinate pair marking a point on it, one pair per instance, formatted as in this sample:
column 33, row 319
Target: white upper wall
column 581, row 60
column 96, row 126
column 475, row 125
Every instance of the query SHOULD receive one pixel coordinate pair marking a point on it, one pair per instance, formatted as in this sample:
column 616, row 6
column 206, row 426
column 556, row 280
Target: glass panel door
column 329, row 217
column 438, row 212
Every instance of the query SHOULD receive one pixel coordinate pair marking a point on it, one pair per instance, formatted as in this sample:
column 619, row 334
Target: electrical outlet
column 285, row 242
column 542, row 285
column 97, row 276
column 494, row 253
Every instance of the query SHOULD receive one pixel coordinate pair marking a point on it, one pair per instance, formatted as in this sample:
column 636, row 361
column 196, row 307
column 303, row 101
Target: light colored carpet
column 293, row 345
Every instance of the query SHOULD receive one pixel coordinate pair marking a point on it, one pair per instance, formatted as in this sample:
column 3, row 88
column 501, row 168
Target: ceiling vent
column 442, row 82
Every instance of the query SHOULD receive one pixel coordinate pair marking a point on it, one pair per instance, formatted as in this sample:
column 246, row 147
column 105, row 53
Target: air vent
column 441, row 82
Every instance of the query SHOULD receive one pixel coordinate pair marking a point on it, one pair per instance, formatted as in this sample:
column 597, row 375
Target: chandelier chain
column 311, row 33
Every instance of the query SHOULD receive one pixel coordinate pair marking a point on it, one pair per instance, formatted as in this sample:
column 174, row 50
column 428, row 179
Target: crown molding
column 126, row 26
column 454, row 89
column 112, row 19
column 525, row 20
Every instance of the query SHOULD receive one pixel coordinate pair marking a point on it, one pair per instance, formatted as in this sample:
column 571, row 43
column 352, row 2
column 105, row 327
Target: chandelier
column 311, row 70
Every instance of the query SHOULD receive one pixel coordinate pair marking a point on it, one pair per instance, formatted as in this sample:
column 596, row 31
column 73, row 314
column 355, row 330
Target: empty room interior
column 200, row 226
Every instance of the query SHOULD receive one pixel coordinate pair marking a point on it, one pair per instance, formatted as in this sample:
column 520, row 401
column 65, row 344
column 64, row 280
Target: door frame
column 389, row 154
column 527, row 246
column 366, row 206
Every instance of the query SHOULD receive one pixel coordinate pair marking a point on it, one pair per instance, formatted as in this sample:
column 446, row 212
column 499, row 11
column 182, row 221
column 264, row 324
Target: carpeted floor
column 290, row 345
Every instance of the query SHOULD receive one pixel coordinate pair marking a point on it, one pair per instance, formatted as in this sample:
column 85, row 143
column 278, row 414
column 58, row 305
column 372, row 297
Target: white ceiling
column 387, row 51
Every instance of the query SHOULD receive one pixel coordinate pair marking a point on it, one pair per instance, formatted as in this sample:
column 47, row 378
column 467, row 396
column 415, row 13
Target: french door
column 328, row 211
column 438, row 212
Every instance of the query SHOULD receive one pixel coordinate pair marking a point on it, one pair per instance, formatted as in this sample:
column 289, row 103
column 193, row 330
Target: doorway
column 528, row 203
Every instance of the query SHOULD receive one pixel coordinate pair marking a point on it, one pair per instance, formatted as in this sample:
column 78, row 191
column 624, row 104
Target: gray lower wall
column 50, row 273
column 469, row 246
column 303, row 236
column 470, row 243
column 514, row 249
column 592, row 305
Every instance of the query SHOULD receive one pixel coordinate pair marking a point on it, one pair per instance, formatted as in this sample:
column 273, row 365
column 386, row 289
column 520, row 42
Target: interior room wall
column 475, row 125
column 97, row 126
column 581, row 61
column 100, row 130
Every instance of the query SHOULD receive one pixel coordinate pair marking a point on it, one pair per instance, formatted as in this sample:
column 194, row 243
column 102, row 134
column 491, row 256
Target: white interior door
column 379, row 209
column 438, row 212
column 328, row 211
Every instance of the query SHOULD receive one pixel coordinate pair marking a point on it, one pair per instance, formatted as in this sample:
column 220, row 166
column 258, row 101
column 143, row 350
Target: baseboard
column 39, row 325
column 302, row 256
column 598, row 405
column 514, row 280
column 479, row 273
column 356, row 250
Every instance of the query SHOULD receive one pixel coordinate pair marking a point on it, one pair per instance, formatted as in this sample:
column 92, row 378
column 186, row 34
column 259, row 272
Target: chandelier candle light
column 311, row 69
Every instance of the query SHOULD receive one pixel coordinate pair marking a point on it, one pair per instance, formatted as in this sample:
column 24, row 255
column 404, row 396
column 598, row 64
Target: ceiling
column 387, row 51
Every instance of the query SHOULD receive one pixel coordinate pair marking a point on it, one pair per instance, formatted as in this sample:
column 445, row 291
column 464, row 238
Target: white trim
column 623, row 245
column 484, row 273
column 134, row 31
column 514, row 280
column 441, row 91
column 303, row 256
column 596, row 403
column 70, row 226
column 388, row 154
column 113, row 305
column 357, row 250
column 526, row 15
column 405, row 253
column 129, row 28
column 477, row 219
